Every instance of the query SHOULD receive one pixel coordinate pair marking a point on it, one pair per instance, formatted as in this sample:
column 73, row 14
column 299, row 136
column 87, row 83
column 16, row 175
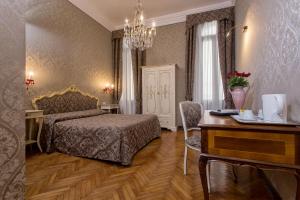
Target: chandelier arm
column 137, row 35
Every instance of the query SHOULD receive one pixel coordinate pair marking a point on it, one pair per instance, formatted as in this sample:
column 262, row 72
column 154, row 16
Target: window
column 208, row 86
column 127, row 101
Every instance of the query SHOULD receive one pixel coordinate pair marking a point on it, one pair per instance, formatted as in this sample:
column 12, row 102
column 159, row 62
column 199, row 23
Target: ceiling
column 111, row 13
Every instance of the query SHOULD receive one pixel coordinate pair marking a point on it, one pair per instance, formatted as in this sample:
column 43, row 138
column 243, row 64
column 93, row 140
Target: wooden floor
column 156, row 173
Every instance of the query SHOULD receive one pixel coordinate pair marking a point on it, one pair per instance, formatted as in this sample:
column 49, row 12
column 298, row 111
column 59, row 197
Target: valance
column 200, row 18
column 118, row 34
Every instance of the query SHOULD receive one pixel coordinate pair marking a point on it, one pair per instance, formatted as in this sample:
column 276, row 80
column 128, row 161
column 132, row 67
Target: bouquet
column 238, row 79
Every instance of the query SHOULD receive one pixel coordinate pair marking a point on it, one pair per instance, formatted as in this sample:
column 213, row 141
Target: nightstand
column 111, row 107
column 34, row 116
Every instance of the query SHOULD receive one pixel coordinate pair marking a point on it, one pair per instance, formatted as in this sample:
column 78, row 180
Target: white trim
column 90, row 10
column 181, row 16
column 160, row 21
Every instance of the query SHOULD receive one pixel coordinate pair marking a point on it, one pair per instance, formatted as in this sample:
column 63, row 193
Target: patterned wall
column 66, row 47
column 12, row 62
column 271, row 51
column 169, row 48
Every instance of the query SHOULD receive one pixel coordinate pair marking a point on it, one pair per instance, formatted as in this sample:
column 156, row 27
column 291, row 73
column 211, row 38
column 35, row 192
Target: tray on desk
column 261, row 122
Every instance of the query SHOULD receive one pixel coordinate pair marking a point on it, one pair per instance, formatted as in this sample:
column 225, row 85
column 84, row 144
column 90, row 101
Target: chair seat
column 194, row 141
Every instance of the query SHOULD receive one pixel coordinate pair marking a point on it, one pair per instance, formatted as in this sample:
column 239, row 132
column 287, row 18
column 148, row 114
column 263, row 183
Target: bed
column 74, row 125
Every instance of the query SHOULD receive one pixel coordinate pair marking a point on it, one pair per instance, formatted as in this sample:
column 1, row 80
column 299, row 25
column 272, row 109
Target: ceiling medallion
column 136, row 34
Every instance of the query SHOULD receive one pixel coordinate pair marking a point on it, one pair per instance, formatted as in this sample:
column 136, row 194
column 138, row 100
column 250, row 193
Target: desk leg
column 202, row 169
column 31, row 121
column 39, row 134
column 298, row 184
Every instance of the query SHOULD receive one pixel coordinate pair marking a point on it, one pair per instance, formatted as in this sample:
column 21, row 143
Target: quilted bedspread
column 98, row 135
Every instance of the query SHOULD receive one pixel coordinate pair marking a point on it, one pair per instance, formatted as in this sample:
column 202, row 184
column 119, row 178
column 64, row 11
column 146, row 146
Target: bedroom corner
column 65, row 47
column 138, row 99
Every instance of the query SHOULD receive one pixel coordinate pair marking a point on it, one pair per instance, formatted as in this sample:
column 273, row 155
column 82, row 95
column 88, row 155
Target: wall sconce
column 29, row 80
column 109, row 89
column 244, row 29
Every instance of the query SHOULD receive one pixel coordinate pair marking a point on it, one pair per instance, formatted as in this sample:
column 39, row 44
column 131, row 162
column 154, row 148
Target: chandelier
column 136, row 34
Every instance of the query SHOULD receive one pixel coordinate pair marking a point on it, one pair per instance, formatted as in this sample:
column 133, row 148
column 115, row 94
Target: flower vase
column 238, row 96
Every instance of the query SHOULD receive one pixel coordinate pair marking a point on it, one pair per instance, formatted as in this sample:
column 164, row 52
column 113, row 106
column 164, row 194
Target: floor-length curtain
column 208, row 87
column 117, row 67
column 192, row 23
column 127, row 101
column 227, row 55
column 138, row 60
column 190, row 61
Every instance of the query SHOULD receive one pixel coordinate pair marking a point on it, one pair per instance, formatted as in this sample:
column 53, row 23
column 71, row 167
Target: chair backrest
column 191, row 114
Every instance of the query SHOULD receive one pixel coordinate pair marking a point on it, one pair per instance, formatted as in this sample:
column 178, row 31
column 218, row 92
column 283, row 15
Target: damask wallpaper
column 65, row 47
column 12, row 67
column 270, row 49
column 169, row 48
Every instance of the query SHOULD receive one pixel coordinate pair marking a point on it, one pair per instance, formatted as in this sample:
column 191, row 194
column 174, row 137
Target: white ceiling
column 111, row 13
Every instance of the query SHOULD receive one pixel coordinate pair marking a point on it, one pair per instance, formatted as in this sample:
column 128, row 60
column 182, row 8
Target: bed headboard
column 68, row 100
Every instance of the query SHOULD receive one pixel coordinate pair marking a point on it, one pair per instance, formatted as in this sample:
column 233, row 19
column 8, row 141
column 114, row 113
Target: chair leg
column 185, row 161
column 208, row 175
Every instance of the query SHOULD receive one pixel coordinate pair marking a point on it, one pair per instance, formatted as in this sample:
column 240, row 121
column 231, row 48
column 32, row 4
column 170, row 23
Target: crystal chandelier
column 136, row 34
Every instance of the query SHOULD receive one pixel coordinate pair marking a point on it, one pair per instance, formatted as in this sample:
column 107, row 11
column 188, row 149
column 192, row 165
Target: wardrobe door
column 165, row 88
column 149, row 92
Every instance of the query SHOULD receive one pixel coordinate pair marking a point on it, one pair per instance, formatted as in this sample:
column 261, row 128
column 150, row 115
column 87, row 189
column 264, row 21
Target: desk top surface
column 33, row 111
column 110, row 106
column 210, row 121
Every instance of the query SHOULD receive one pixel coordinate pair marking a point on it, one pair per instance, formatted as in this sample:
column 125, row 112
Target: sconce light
column 29, row 80
column 244, row 29
column 109, row 89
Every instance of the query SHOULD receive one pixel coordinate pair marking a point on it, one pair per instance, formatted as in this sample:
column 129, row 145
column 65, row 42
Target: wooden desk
column 34, row 116
column 261, row 146
column 111, row 107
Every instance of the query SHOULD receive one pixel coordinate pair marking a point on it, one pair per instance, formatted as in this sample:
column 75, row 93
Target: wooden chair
column 191, row 114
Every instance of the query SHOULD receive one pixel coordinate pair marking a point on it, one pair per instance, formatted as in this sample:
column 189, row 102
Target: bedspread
column 98, row 135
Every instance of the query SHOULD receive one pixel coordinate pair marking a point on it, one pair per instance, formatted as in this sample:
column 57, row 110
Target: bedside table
column 111, row 107
column 34, row 116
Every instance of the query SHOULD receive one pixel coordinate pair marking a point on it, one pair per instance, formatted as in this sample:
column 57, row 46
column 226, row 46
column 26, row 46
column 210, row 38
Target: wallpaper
column 12, row 62
column 65, row 47
column 169, row 48
column 270, row 49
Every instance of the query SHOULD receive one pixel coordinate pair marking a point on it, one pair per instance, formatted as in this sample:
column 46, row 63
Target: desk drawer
column 263, row 146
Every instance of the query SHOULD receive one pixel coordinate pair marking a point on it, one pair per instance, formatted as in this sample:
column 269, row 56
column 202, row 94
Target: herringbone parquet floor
column 156, row 173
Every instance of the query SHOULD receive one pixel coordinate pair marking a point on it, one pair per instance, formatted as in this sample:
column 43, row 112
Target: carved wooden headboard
column 68, row 100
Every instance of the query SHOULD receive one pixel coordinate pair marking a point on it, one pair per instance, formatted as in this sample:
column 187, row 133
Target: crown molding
column 93, row 13
column 160, row 21
column 181, row 16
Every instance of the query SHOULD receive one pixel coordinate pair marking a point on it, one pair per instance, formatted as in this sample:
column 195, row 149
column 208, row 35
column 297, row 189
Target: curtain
column 227, row 55
column 192, row 23
column 138, row 60
column 117, row 68
column 127, row 101
column 208, row 87
column 190, row 61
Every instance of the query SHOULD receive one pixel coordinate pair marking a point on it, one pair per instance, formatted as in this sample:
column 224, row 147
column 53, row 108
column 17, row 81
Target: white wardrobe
column 159, row 96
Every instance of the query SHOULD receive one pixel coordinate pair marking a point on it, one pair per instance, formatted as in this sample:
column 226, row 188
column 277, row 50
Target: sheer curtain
column 127, row 101
column 208, row 86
